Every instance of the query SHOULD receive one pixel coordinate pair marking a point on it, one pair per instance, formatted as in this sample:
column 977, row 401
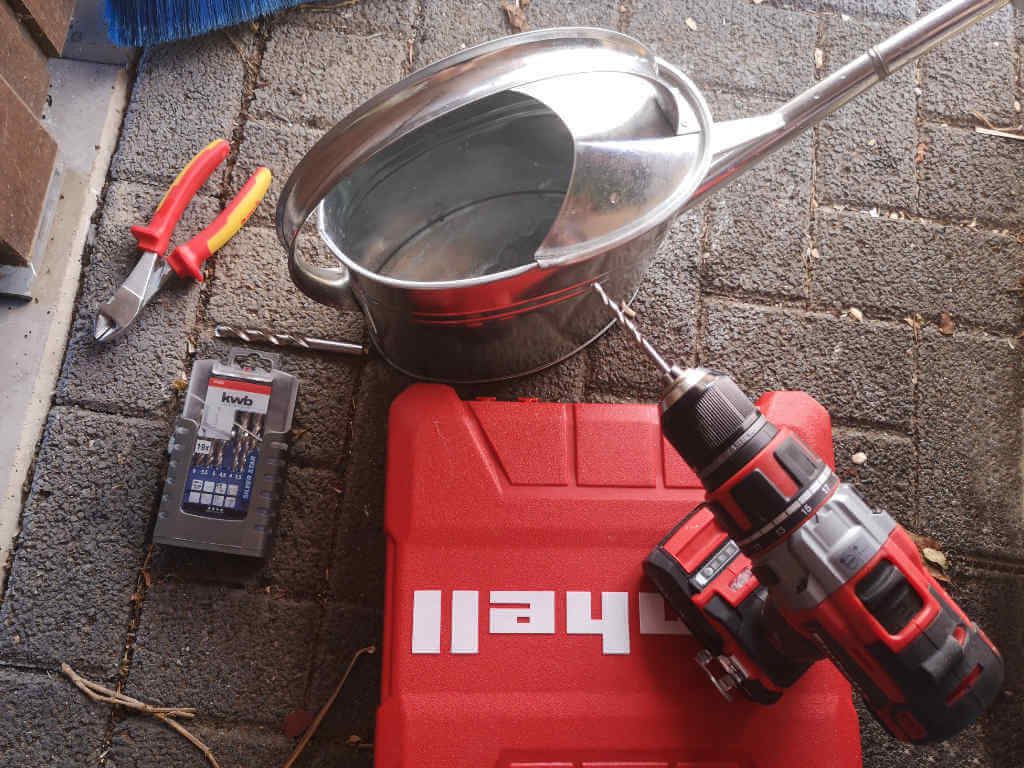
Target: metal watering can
column 472, row 205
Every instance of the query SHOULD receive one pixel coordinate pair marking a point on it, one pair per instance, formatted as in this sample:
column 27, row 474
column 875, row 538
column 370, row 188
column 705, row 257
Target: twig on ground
column 1001, row 134
column 324, row 709
column 103, row 695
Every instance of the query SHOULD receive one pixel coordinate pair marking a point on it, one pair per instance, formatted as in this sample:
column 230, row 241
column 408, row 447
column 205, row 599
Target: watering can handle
column 326, row 285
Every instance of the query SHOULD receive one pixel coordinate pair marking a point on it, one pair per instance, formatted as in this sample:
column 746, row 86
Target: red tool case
column 519, row 628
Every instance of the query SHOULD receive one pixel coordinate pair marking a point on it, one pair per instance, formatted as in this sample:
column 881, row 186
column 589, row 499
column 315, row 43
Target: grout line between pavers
column 320, row 631
column 811, row 235
column 707, row 221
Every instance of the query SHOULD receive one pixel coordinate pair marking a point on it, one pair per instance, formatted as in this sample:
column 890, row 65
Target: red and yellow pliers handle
column 186, row 259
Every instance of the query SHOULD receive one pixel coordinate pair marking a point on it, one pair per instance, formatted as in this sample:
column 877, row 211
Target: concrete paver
column 894, row 268
column 967, row 175
column 186, row 95
column 48, row 722
column 759, row 224
column 735, row 285
column 279, row 146
column 230, row 653
column 887, row 476
column 970, row 428
column 862, row 371
column 760, row 49
column 973, row 73
column 69, row 596
column 335, row 74
column 137, row 739
column 450, row 26
column 866, row 150
column 251, row 288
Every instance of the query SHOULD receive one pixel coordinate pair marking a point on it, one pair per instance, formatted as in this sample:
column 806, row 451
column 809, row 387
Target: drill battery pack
column 520, row 630
column 227, row 455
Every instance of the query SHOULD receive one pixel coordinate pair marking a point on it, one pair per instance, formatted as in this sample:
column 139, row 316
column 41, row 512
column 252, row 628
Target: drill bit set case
column 227, row 455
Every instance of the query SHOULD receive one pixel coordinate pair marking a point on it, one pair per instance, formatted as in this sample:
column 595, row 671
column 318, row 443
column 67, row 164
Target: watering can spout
column 738, row 145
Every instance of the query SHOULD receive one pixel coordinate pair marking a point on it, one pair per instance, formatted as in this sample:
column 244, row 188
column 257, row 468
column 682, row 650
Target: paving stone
column 905, row 10
column 363, row 504
column 308, row 519
column 448, row 27
column 251, row 288
column 969, row 175
column 859, row 371
column 366, row 18
column 767, row 51
column 970, row 437
column 137, row 740
column 866, row 150
column 887, row 477
column 759, row 224
column 132, row 374
column 228, row 652
column 973, row 72
column 186, row 95
column 893, row 268
column 299, row 552
column 334, row 75
column 47, row 721
column 345, row 630
column 326, row 389
column 279, row 146
column 666, row 307
column 82, row 542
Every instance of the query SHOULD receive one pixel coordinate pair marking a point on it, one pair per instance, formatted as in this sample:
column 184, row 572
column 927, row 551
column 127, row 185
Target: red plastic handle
column 186, row 258
column 157, row 236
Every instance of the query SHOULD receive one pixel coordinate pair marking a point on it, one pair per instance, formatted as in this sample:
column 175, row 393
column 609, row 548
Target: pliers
column 153, row 271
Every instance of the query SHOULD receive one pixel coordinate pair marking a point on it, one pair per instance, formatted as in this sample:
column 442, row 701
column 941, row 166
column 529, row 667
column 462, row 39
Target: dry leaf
column 859, row 458
column 516, row 13
column 819, row 58
column 180, row 383
column 691, row 23
column 946, row 325
column 935, row 557
column 924, row 541
column 922, row 150
column 915, row 321
column 856, row 314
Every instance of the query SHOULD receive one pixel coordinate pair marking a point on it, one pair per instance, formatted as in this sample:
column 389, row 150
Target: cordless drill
column 784, row 565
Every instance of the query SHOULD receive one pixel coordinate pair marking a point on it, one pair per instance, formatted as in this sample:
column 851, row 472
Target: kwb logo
column 533, row 613
column 232, row 400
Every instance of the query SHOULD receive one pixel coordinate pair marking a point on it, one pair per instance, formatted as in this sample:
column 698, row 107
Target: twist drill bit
column 628, row 324
column 287, row 340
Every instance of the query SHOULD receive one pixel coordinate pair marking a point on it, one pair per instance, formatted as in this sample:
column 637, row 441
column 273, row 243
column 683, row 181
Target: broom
column 137, row 23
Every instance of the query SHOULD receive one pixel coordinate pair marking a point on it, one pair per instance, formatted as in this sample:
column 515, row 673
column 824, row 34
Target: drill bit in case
column 227, row 455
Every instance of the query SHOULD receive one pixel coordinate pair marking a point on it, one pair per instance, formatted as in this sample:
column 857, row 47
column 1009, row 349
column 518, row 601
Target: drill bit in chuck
column 287, row 340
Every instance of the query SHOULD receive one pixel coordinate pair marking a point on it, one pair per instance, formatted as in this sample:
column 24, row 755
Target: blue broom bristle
column 148, row 22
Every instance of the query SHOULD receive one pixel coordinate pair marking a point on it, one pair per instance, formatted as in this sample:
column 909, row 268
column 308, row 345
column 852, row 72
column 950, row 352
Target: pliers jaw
column 148, row 277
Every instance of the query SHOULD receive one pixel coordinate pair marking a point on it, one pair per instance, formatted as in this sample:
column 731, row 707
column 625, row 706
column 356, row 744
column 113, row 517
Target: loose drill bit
column 287, row 340
column 628, row 324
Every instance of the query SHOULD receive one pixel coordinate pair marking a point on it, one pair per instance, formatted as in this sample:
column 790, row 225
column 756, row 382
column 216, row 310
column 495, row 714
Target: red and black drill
column 784, row 565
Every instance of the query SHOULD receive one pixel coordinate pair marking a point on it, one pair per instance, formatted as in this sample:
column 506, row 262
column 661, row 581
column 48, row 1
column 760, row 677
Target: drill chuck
column 712, row 424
